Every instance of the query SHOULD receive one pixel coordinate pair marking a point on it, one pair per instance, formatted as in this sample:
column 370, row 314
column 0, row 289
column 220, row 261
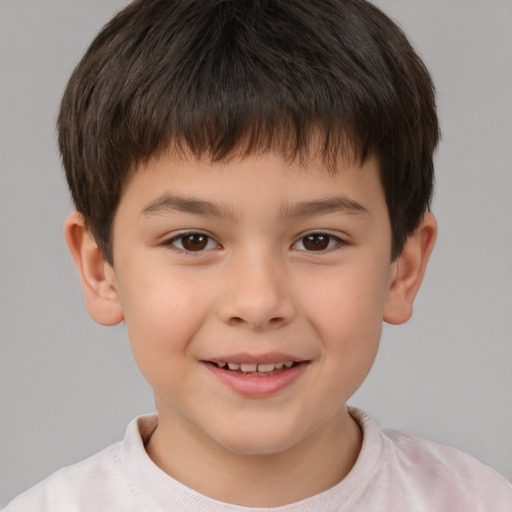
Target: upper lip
column 244, row 358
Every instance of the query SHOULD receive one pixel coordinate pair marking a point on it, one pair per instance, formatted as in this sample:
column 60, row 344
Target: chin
column 258, row 448
column 259, row 442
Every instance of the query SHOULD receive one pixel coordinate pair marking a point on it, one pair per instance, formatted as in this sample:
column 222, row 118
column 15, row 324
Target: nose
column 256, row 293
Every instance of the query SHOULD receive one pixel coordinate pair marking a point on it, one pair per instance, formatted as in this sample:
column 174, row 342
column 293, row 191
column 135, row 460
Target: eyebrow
column 324, row 206
column 172, row 203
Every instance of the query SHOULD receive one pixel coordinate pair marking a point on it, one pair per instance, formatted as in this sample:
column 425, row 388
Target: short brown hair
column 216, row 76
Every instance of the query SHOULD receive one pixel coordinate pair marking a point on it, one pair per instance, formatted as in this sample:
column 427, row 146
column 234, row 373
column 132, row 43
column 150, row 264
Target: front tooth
column 269, row 367
column 248, row 367
column 279, row 366
column 288, row 364
column 234, row 366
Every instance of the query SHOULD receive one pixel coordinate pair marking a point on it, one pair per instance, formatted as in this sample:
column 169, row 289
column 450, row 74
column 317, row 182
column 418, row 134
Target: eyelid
column 339, row 241
column 170, row 242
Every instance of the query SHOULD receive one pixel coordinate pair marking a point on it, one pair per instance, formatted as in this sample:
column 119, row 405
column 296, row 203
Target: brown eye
column 192, row 242
column 316, row 242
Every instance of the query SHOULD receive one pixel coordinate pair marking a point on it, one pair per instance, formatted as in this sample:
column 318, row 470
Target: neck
column 312, row 466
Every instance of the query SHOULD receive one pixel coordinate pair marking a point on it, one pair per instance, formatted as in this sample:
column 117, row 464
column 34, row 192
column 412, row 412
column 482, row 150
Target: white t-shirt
column 395, row 472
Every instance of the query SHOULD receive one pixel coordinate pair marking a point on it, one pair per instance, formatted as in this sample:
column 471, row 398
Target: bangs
column 237, row 86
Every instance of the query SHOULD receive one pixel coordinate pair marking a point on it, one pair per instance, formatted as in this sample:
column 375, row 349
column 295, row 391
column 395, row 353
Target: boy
column 253, row 181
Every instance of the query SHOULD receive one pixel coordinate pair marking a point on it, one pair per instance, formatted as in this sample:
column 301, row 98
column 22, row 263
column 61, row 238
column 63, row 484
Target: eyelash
column 171, row 242
column 333, row 242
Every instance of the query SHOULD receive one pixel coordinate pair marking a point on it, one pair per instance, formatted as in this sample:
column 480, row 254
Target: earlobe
column 96, row 275
column 408, row 271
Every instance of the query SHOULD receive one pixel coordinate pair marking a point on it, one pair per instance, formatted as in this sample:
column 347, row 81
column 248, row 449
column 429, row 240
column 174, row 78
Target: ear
column 97, row 276
column 408, row 270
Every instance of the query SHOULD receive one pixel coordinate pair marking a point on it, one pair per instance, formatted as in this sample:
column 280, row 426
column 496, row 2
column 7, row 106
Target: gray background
column 68, row 387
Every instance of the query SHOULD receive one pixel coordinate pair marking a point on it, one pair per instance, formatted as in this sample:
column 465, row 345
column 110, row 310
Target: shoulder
column 417, row 471
column 62, row 489
column 97, row 483
column 433, row 460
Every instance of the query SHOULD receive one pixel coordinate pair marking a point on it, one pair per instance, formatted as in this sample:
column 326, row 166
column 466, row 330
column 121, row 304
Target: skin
column 254, row 286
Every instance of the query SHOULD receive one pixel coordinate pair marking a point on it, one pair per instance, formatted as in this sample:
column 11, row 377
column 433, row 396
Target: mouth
column 256, row 376
column 255, row 369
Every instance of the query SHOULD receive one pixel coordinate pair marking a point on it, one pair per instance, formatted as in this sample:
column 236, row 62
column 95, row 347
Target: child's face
column 257, row 261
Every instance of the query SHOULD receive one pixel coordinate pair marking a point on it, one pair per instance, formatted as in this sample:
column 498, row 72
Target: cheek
column 349, row 301
column 347, row 313
column 350, row 344
column 162, row 314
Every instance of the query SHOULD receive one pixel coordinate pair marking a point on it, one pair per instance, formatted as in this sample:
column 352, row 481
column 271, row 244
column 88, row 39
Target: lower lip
column 256, row 386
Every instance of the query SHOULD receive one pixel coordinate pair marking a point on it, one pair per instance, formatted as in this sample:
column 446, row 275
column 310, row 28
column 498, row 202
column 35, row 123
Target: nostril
column 237, row 321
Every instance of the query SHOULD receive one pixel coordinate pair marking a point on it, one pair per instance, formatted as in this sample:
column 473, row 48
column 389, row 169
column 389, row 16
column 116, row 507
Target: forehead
column 288, row 187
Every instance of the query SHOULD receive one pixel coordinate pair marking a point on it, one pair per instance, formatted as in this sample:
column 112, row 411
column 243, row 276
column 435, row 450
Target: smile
column 255, row 379
column 255, row 369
